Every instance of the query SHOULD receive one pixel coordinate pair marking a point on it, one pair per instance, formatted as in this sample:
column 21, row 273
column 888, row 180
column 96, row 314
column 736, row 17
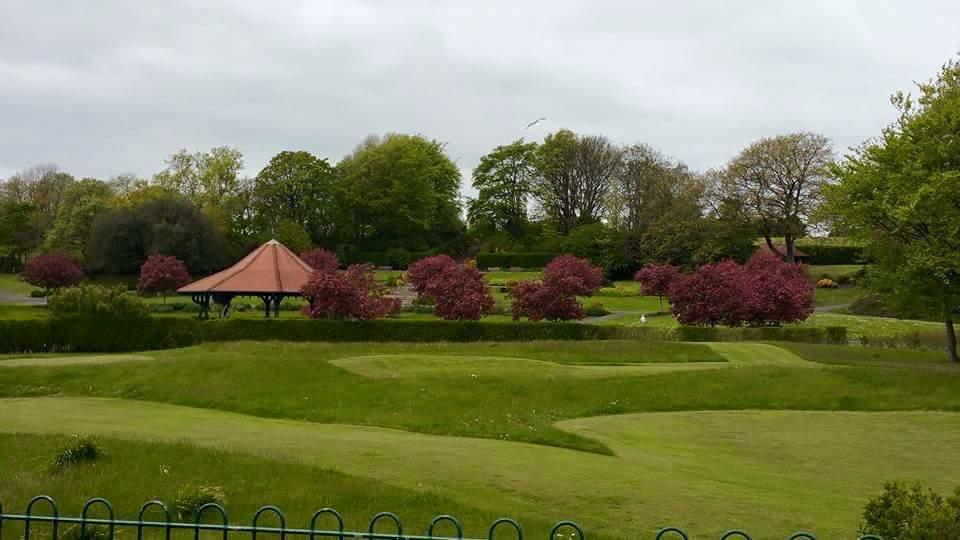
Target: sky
column 102, row 88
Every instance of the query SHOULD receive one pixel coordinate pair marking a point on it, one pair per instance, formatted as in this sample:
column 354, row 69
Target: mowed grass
column 299, row 381
column 13, row 284
column 133, row 472
column 769, row 472
column 840, row 295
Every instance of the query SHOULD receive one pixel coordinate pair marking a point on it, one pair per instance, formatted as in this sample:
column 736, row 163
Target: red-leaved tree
column 420, row 273
column 353, row 294
column 321, row 259
column 555, row 297
column 162, row 274
column 764, row 292
column 780, row 291
column 459, row 292
column 52, row 270
column 572, row 275
column 656, row 279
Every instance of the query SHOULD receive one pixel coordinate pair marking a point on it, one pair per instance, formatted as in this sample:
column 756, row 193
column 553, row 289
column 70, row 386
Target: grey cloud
column 106, row 87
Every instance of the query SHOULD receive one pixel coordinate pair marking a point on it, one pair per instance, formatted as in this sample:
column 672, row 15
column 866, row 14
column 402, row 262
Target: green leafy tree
column 503, row 180
column 80, row 205
column 399, row 191
column 19, row 230
column 779, row 182
column 206, row 178
column 297, row 187
column 291, row 234
column 574, row 174
column 900, row 194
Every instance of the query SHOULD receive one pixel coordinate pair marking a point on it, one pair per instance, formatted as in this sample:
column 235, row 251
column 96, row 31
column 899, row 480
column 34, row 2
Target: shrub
column 192, row 497
column 52, row 270
column 460, row 294
column 353, row 294
column 537, row 301
column 162, row 273
column 37, row 293
column 422, row 272
column 80, row 449
column 764, row 291
column 596, row 309
column 833, row 254
column 398, row 258
column 96, row 301
column 912, row 513
column 826, row 283
column 321, row 260
column 618, row 292
column 655, row 279
column 572, row 275
column 163, row 308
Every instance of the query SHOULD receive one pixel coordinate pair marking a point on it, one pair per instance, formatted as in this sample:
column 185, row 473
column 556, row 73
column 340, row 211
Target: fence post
column 332, row 512
column 55, row 516
column 166, row 513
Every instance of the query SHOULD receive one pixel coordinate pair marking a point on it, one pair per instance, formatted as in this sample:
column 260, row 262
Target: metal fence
column 212, row 517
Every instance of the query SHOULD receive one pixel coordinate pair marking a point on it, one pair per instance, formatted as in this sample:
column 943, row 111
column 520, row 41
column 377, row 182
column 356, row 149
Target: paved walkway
column 7, row 297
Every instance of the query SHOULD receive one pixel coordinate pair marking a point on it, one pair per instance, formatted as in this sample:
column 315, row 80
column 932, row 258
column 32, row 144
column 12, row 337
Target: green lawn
column 13, row 284
column 833, row 271
column 838, row 296
column 769, row 437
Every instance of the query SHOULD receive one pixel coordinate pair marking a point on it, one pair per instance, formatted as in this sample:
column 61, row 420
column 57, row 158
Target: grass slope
column 705, row 470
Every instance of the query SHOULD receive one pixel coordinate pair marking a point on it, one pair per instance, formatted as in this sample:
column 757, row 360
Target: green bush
column 509, row 260
column 376, row 258
column 38, row 293
column 618, row 292
column 398, row 258
column 90, row 532
column 836, row 335
column 96, row 301
column 78, row 450
column 912, row 513
column 162, row 308
column 596, row 309
column 191, row 498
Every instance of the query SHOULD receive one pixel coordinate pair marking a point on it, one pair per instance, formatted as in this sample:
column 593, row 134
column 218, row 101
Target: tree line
column 621, row 206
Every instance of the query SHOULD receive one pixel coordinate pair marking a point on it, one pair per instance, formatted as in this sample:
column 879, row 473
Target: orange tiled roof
column 271, row 268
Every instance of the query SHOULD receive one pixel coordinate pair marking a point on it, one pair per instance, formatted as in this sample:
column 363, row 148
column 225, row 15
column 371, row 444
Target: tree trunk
column 951, row 341
column 773, row 248
column 790, row 244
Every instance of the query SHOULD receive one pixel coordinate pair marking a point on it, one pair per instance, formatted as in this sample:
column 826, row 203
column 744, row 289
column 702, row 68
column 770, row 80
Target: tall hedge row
column 830, row 254
column 111, row 335
column 507, row 260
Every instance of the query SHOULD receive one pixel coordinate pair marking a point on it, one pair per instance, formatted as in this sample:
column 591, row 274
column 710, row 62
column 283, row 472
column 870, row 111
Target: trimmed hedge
column 89, row 334
column 507, row 260
column 836, row 335
column 830, row 254
column 377, row 258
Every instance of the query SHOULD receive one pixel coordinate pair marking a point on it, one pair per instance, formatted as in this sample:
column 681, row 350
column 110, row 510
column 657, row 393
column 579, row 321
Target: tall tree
column 399, row 191
column 41, row 186
column 779, row 182
column 205, row 178
column 574, row 176
column 503, row 180
column 297, row 187
column 901, row 195
column 81, row 203
column 19, row 231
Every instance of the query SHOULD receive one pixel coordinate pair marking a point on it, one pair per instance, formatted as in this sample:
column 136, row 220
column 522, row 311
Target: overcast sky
column 101, row 88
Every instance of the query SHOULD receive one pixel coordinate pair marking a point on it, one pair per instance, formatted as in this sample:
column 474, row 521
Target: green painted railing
column 503, row 527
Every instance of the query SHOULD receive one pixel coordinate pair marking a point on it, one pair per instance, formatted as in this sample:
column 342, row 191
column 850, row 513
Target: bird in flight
column 535, row 122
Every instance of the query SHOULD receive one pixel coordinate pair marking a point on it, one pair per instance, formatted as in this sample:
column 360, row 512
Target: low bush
column 80, row 449
column 618, row 291
column 191, row 498
column 37, row 293
column 96, row 301
column 826, row 283
column 161, row 308
column 912, row 513
column 398, row 258
column 596, row 309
